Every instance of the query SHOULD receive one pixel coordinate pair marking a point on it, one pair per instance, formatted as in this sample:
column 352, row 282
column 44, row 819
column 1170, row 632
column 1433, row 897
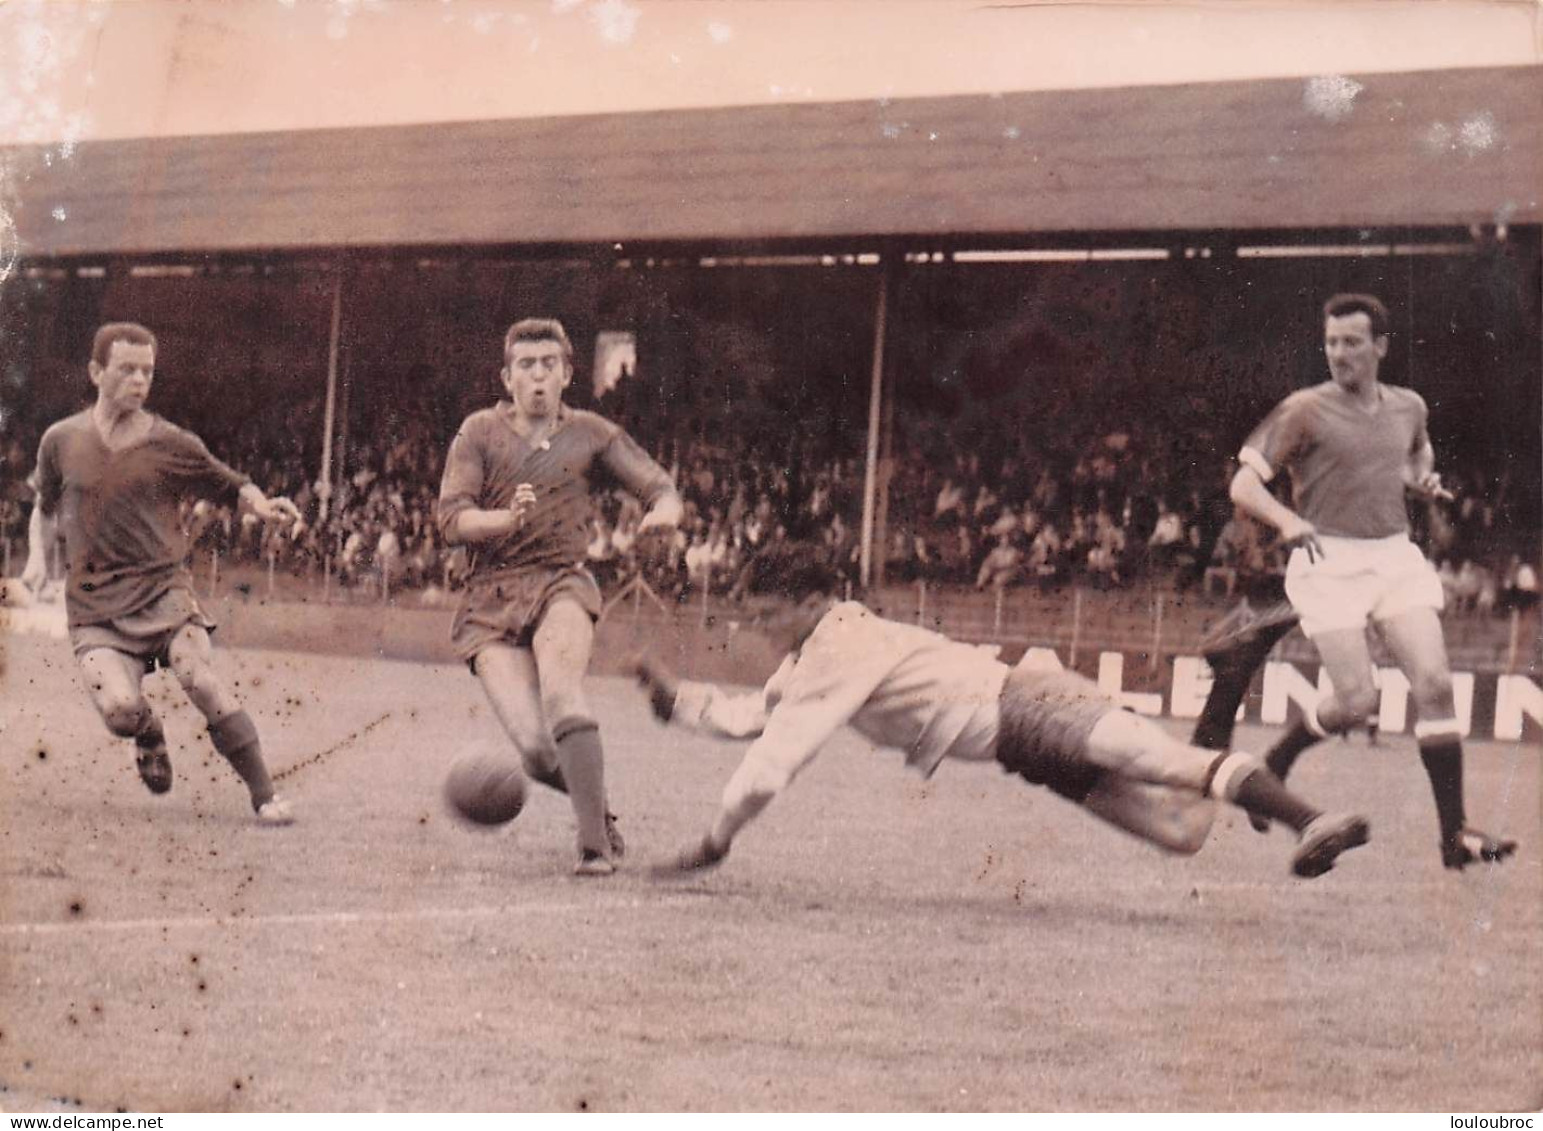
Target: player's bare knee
column 204, row 689
column 1357, row 705
column 1432, row 693
column 122, row 714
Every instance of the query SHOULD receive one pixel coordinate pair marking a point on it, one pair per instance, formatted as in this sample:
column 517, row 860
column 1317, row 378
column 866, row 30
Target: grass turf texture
column 874, row 942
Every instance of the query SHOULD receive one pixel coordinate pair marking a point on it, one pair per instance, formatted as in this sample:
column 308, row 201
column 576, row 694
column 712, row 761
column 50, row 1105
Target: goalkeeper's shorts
column 508, row 608
column 1046, row 718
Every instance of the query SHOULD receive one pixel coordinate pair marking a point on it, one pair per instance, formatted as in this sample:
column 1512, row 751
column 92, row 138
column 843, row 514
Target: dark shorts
column 1046, row 718
column 147, row 634
column 509, row 610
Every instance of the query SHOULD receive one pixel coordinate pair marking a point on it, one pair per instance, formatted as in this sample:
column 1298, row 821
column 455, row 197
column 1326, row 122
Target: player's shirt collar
column 506, row 413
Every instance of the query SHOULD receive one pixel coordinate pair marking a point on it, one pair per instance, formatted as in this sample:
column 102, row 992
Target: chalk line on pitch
column 337, row 918
column 692, row 898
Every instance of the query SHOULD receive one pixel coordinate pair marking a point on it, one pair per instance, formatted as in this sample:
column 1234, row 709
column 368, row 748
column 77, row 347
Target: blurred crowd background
column 1046, row 425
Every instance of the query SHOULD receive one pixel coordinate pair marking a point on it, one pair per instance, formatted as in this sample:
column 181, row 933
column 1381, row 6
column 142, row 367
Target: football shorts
column 1360, row 579
column 146, row 634
column 1046, row 718
column 508, row 609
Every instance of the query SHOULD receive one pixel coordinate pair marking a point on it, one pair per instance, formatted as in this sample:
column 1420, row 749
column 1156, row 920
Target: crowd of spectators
column 1109, row 518
column 1105, row 509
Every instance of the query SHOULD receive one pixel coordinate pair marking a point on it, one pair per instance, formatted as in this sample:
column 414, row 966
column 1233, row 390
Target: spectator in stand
column 1003, row 564
column 1519, row 590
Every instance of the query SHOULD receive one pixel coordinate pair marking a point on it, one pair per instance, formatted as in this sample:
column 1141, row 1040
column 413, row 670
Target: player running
column 1353, row 446
column 114, row 476
column 913, row 690
column 516, row 489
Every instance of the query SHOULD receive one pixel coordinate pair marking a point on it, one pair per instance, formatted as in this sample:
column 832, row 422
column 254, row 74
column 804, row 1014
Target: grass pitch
column 875, row 942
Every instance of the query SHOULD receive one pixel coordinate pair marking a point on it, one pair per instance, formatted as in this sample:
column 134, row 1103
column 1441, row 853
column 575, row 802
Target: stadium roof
column 1425, row 149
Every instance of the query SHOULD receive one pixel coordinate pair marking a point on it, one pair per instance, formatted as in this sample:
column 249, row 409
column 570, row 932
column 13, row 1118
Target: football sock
column 149, row 736
column 1245, row 781
column 235, row 737
column 1234, row 673
column 582, row 759
column 551, row 777
column 1442, row 753
column 1284, row 754
column 1219, row 715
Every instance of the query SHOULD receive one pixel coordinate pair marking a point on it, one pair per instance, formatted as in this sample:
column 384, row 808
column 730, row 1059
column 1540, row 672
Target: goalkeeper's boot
column 1329, row 835
column 1470, row 846
column 592, row 863
column 154, row 766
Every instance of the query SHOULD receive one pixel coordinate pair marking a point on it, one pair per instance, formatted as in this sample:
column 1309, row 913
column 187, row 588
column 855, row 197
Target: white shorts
column 1360, row 579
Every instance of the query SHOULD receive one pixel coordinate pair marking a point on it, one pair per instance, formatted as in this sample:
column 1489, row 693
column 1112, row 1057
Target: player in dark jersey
column 1354, row 446
column 114, row 476
column 516, row 490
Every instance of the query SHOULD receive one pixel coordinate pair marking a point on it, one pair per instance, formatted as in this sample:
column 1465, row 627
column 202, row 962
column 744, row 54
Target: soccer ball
column 485, row 788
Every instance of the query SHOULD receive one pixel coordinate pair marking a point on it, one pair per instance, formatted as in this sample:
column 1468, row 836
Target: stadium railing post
column 1157, row 629
column 707, row 584
column 1076, row 623
column 996, row 619
column 921, row 600
column 1516, row 641
column 270, row 571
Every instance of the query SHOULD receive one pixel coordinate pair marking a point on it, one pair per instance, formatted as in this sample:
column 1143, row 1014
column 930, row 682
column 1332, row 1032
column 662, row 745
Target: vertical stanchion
column 706, row 585
column 214, row 572
column 996, row 620
column 1516, row 642
column 870, row 540
column 921, row 600
column 270, row 573
column 1157, row 629
column 1076, row 623
column 849, row 589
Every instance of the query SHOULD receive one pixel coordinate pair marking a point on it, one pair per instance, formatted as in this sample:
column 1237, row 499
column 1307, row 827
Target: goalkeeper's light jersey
column 488, row 460
column 897, row 685
column 1347, row 462
column 120, row 511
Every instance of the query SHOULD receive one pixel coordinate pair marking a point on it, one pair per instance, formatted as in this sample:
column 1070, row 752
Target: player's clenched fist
column 276, row 509
column 524, row 499
column 660, row 683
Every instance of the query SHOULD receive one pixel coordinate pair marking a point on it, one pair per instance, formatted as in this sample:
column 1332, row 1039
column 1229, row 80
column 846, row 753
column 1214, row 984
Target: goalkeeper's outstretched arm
column 700, row 706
